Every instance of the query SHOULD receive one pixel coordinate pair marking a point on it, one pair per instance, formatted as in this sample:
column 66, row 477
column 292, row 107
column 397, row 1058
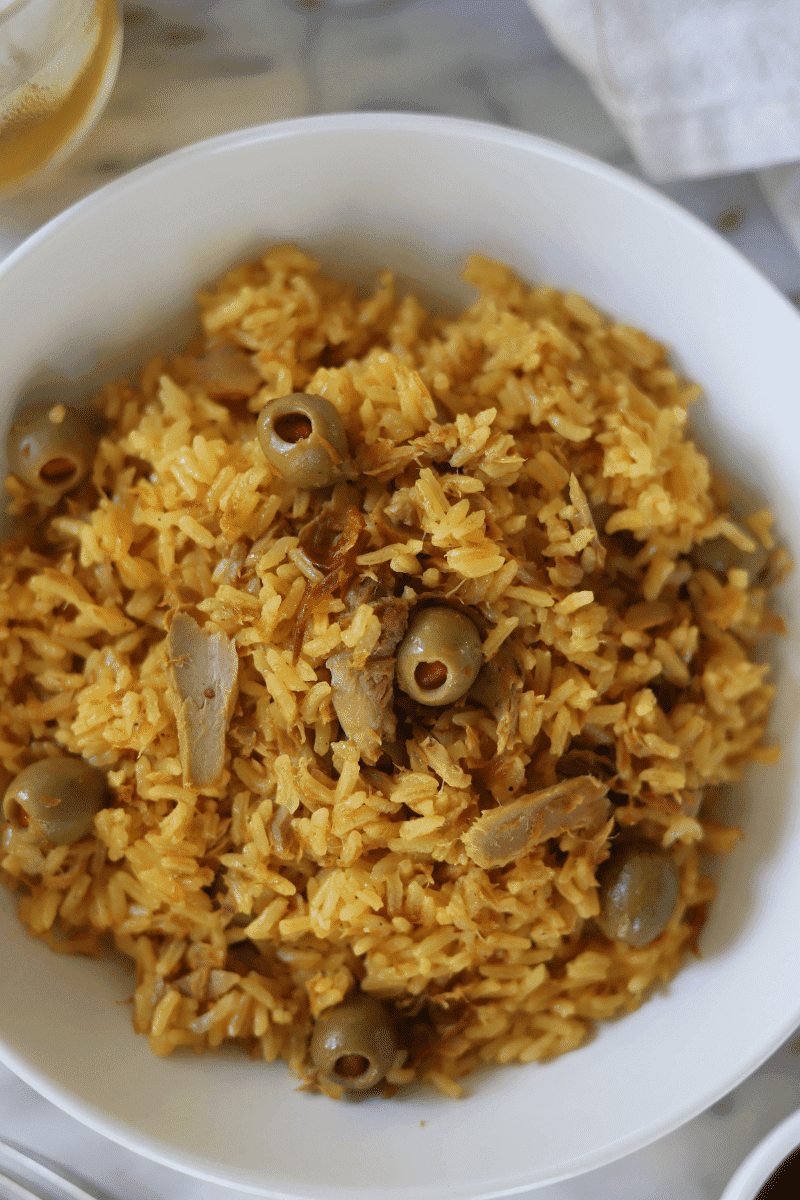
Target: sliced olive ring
column 638, row 889
column 303, row 437
column 440, row 656
column 354, row 1043
column 56, row 799
column 50, row 447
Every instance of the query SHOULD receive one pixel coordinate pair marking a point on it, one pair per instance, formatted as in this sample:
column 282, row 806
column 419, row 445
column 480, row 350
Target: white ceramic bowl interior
column 760, row 1163
column 113, row 279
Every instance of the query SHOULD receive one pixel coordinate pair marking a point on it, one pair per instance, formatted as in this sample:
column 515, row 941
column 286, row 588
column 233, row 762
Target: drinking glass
column 58, row 63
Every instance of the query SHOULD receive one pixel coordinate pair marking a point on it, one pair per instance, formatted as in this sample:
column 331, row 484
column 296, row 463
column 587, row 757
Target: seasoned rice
column 528, row 462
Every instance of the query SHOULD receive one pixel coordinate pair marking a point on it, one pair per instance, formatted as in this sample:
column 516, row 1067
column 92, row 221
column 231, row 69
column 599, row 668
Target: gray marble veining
column 195, row 68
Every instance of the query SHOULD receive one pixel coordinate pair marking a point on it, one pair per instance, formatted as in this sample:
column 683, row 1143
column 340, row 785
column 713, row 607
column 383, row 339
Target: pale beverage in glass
column 58, row 63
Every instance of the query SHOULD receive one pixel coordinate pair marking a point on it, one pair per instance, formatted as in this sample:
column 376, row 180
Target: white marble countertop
column 194, row 68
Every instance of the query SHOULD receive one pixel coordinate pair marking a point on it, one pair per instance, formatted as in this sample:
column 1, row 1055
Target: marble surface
column 193, row 68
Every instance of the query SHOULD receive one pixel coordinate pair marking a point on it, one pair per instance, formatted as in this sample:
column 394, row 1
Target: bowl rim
column 388, row 123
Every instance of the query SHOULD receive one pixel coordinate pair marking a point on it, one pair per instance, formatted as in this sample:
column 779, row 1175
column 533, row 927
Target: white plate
column 760, row 1163
column 111, row 280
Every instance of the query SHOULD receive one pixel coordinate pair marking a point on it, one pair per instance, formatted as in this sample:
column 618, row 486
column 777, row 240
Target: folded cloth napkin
column 781, row 186
column 697, row 87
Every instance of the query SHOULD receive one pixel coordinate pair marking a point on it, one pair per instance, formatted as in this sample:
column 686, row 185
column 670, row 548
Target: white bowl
column 765, row 1158
column 113, row 279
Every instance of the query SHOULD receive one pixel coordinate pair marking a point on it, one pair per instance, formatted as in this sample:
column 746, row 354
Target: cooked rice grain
column 527, row 460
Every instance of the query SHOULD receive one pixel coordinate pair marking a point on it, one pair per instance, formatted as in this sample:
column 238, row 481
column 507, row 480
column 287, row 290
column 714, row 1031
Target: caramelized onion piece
column 593, row 557
column 343, row 539
column 203, row 670
column 280, row 832
column 226, row 373
column 578, row 761
column 506, row 833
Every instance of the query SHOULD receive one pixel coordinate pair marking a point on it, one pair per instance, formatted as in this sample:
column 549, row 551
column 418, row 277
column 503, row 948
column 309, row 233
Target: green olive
column 51, row 448
column 354, row 1043
column 719, row 555
column 638, row 891
column 440, row 656
column 56, row 799
column 303, row 437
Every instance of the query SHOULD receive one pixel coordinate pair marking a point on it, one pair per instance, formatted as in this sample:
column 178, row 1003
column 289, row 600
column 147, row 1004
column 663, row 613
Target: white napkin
column 696, row 87
column 781, row 187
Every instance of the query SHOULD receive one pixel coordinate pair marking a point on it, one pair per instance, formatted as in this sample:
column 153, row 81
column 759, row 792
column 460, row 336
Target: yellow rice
column 232, row 939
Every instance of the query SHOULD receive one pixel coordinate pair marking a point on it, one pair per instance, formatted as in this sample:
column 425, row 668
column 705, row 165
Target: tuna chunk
column 363, row 701
column 505, row 834
column 203, row 676
column 363, row 696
